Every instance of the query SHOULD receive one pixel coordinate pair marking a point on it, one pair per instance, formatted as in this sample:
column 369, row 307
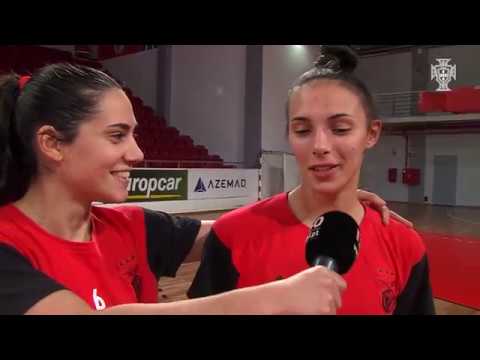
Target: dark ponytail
column 60, row 95
column 10, row 156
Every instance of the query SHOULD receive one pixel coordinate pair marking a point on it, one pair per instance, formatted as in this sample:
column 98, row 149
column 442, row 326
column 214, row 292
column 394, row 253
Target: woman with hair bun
column 331, row 123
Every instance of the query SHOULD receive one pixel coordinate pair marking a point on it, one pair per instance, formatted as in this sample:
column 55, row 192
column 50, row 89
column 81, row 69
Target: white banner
column 222, row 183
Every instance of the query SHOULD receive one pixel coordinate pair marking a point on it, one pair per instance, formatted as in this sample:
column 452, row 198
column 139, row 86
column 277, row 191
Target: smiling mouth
column 322, row 168
column 123, row 175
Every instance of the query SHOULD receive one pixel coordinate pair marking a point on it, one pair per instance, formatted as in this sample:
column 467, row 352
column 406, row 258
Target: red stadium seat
column 463, row 100
column 432, row 101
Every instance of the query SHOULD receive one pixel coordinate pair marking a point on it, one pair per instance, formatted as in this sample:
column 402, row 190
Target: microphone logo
column 318, row 221
column 357, row 243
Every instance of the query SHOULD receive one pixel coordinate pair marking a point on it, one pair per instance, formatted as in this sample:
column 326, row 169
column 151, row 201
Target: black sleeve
column 169, row 240
column 416, row 298
column 21, row 285
column 217, row 272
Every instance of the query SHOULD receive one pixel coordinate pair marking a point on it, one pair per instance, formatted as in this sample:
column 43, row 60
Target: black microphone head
column 334, row 235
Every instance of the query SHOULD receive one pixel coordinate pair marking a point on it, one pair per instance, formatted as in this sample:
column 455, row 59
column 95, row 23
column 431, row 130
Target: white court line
column 463, row 220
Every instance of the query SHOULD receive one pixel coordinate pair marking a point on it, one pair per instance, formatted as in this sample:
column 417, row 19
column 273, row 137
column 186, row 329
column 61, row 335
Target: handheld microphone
column 333, row 242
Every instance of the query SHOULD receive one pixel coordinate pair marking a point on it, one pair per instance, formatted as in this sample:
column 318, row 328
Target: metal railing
column 397, row 104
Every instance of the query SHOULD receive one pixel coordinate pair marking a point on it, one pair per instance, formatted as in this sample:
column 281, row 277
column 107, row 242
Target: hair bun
column 337, row 59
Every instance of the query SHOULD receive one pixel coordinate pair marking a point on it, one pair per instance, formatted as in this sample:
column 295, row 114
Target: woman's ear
column 49, row 143
column 374, row 131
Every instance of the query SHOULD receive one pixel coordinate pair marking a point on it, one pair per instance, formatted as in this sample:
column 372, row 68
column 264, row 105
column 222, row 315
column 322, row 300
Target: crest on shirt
column 388, row 293
column 128, row 269
column 389, row 301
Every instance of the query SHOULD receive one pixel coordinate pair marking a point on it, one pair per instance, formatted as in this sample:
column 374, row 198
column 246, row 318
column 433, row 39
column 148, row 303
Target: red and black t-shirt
column 130, row 249
column 265, row 242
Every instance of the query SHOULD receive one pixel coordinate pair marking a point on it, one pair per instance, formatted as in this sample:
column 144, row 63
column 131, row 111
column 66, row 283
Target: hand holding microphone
column 333, row 243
